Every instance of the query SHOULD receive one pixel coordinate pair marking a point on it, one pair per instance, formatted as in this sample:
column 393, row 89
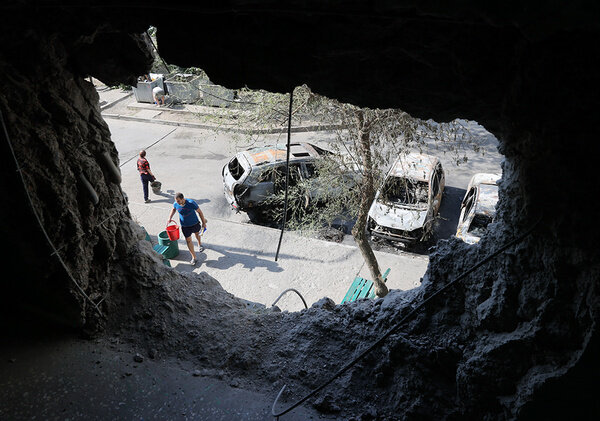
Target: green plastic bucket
column 173, row 247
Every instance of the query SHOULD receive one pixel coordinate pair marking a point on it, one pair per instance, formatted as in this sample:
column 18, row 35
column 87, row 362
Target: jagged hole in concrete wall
column 508, row 341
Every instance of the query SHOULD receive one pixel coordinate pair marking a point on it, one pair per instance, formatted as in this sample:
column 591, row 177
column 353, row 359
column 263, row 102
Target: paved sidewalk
column 247, row 268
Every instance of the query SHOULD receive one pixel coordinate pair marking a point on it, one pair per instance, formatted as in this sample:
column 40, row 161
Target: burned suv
column 253, row 176
column 406, row 205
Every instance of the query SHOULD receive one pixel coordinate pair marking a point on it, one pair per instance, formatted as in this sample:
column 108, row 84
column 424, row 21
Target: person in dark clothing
column 146, row 175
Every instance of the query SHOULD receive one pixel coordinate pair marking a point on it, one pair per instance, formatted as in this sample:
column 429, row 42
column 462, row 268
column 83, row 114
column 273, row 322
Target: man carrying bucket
column 190, row 224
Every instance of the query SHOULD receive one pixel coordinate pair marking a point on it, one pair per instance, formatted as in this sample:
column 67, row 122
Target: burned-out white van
column 409, row 199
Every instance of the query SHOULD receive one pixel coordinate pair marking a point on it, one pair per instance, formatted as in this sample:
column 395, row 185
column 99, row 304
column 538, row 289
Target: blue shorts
column 188, row 231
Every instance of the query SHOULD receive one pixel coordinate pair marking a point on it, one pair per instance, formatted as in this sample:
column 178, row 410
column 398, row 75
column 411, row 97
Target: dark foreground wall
column 518, row 337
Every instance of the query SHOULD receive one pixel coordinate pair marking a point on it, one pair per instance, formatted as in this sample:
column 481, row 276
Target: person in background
column 159, row 95
column 188, row 217
column 143, row 167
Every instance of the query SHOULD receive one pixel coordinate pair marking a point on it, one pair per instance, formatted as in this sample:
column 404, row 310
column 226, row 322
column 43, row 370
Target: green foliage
column 328, row 198
column 122, row 87
column 195, row 71
column 391, row 133
column 158, row 66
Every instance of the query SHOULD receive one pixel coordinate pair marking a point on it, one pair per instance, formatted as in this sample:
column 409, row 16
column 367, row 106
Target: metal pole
column 287, row 173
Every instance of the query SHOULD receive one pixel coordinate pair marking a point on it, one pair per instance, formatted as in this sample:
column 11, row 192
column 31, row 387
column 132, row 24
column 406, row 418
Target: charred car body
column 406, row 205
column 254, row 175
column 478, row 207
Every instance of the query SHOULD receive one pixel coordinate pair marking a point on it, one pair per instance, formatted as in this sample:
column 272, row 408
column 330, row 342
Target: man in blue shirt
column 190, row 224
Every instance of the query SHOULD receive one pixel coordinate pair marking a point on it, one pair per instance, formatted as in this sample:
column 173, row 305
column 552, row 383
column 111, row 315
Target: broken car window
column 235, row 169
column 311, row 170
column 479, row 224
column 263, row 176
column 436, row 184
column 404, row 191
column 279, row 176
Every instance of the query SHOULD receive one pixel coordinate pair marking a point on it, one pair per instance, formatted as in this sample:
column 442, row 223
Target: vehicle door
column 260, row 184
column 295, row 199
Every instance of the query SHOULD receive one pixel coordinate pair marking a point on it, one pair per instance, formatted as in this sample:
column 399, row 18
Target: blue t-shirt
column 187, row 213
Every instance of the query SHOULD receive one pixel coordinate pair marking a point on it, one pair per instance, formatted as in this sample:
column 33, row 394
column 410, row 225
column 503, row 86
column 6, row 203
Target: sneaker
column 147, row 201
column 200, row 249
column 193, row 262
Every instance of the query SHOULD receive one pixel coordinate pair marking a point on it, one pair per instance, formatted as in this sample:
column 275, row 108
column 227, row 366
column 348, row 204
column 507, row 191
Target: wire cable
column 401, row 322
column 148, row 147
column 288, row 290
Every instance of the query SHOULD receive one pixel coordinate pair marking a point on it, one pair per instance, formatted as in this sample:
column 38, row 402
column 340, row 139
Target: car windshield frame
column 407, row 193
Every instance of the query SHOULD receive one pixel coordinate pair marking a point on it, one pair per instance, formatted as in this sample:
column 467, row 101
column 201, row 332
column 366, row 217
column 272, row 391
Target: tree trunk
column 367, row 195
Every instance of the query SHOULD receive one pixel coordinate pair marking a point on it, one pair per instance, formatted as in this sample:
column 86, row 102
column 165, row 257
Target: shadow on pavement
column 199, row 201
column 231, row 258
column 170, row 198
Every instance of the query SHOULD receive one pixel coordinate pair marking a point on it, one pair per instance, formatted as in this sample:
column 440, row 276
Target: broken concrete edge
column 300, row 129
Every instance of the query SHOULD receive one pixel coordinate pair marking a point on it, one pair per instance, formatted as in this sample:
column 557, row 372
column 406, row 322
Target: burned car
column 478, row 207
column 253, row 176
column 408, row 201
